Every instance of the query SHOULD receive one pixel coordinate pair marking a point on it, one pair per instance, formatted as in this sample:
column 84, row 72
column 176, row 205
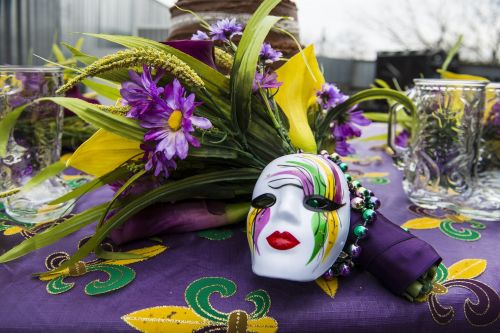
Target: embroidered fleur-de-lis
column 119, row 274
column 482, row 311
column 452, row 225
column 200, row 316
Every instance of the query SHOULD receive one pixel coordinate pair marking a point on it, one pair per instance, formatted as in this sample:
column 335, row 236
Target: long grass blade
column 176, row 190
column 122, row 126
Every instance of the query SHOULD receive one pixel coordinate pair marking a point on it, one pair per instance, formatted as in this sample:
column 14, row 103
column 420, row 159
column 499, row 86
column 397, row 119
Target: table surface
column 162, row 293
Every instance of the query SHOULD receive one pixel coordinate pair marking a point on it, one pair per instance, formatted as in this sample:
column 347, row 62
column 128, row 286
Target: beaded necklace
column 365, row 202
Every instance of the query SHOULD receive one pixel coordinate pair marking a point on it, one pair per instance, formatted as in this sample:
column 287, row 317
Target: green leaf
column 380, row 117
column 245, row 62
column 453, row 51
column 92, row 185
column 110, row 255
column 6, row 126
column 58, row 53
column 113, row 93
column 79, row 55
column 79, row 43
column 122, row 126
column 374, row 138
column 48, row 172
column 363, row 96
column 53, row 234
column 117, row 194
column 175, row 190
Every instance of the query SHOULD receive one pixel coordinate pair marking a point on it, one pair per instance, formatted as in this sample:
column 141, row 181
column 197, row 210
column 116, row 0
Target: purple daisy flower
column 347, row 128
column 265, row 81
column 343, row 148
column 142, row 93
column 402, row 138
column 157, row 161
column 330, row 96
column 225, row 29
column 171, row 126
column 200, row 35
column 268, row 54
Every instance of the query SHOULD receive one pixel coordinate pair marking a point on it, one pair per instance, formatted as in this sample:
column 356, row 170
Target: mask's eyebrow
column 277, row 183
column 304, row 180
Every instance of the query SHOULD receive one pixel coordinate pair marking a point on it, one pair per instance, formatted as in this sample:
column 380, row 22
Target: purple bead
column 355, row 250
column 345, row 270
column 329, row 275
column 371, row 192
column 357, row 203
column 375, row 202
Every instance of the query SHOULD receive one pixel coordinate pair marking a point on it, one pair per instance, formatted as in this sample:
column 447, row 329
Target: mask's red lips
column 282, row 240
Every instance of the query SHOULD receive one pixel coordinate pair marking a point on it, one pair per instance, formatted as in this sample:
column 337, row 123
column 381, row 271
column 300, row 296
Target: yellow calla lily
column 455, row 76
column 103, row 152
column 300, row 80
column 457, row 102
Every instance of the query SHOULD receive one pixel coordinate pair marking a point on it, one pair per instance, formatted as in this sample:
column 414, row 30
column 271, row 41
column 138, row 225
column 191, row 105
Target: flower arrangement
column 183, row 129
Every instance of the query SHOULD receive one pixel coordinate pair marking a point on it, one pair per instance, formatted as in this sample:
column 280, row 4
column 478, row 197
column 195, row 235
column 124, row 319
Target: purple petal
column 201, row 122
column 181, row 145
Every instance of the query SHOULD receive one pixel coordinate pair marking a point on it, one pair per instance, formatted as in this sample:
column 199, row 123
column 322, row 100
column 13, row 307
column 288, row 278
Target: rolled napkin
column 398, row 259
column 178, row 217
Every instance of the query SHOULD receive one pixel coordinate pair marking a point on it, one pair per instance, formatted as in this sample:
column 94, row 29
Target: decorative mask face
column 299, row 219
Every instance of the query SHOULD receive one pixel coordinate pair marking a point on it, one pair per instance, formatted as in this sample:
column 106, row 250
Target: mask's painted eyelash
column 318, row 204
column 265, row 200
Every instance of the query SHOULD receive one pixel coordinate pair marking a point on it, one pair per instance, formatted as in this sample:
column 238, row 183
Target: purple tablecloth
column 464, row 299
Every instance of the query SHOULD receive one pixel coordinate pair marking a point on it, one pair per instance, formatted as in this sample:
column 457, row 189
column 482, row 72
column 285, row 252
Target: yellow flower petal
column 467, row 269
column 300, row 84
column 103, row 152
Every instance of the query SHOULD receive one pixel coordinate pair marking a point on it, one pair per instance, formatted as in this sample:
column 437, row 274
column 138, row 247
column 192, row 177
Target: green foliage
column 93, row 185
column 104, row 90
column 53, row 234
column 189, row 187
column 125, row 127
column 7, row 125
column 245, row 63
column 48, row 172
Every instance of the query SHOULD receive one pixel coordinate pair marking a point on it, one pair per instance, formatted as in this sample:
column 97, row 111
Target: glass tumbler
column 33, row 144
column 439, row 164
column 484, row 202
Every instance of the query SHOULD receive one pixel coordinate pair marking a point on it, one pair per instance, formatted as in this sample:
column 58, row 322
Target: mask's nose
column 287, row 207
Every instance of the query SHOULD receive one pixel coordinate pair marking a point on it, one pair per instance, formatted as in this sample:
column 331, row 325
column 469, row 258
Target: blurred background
column 357, row 40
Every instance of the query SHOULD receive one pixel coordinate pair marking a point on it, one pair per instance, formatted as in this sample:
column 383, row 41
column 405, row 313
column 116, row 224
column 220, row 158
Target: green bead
column 363, row 191
column 356, row 183
column 360, row 231
column 343, row 167
column 348, row 177
column 369, row 215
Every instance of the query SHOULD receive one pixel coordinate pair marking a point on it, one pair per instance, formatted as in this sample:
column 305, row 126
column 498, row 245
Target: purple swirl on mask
column 482, row 312
column 261, row 220
column 304, row 179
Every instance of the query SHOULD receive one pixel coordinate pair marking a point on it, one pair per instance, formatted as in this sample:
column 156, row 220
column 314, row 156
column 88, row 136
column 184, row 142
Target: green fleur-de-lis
column 119, row 275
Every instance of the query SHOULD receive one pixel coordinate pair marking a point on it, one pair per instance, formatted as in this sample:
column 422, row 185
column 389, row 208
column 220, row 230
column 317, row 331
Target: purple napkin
column 203, row 50
column 177, row 217
column 394, row 256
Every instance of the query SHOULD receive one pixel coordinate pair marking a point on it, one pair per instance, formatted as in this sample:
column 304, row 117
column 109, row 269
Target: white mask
column 299, row 219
